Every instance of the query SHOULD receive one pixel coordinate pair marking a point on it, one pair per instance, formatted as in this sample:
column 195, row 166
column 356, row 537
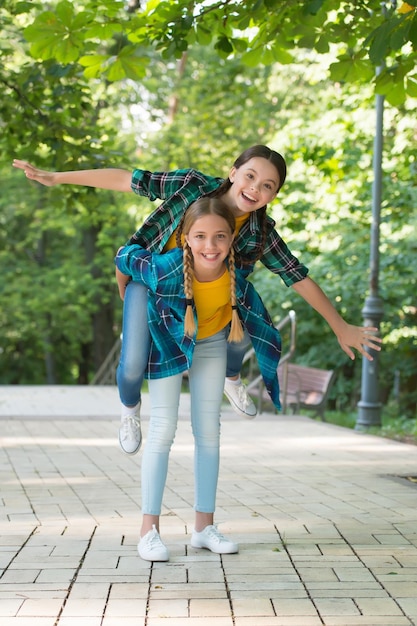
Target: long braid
column 178, row 234
column 236, row 330
column 189, row 321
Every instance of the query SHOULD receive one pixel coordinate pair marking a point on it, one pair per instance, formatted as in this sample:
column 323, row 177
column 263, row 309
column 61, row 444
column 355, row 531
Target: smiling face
column 210, row 239
column 254, row 184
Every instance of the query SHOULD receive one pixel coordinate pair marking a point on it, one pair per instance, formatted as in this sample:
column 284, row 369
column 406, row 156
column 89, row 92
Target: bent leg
column 235, row 354
column 136, row 339
column 234, row 388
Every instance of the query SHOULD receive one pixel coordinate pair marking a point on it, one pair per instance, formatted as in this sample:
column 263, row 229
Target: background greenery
column 60, row 313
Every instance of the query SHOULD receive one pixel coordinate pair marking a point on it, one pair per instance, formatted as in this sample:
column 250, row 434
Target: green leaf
column 103, row 31
column 22, row 7
column 244, row 22
column 413, row 32
column 313, row 7
column 203, row 35
column 380, row 44
column 280, row 55
column 239, row 44
column 52, row 38
column 252, row 58
column 94, row 64
column 322, row 45
column 44, row 25
column 116, row 71
column 65, row 11
column 411, row 87
column 351, row 70
column 62, row 50
column 223, row 45
column 396, row 96
column 307, row 41
column 400, row 35
column 267, row 56
column 391, row 85
column 133, row 67
column 92, row 59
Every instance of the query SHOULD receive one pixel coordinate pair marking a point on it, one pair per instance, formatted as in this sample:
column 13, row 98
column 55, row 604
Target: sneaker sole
column 196, row 545
column 153, row 559
column 237, row 409
column 130, row 453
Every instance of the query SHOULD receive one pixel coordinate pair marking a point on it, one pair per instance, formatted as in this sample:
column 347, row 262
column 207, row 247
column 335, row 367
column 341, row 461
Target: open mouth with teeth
column 248, row 198
column 210, row 257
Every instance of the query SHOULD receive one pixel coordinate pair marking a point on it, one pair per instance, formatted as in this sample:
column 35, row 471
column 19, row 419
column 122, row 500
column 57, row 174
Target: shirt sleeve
column 151, row 269
column 278, row 258
column 136, row 262
column 157, row 185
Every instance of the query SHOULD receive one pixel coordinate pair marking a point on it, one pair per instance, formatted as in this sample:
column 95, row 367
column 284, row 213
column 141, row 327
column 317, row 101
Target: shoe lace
column 243, row 396
column 215, row 534
column 129, row 427
column 154, row 540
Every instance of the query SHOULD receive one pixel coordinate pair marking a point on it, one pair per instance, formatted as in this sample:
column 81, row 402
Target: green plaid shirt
column 178, row 189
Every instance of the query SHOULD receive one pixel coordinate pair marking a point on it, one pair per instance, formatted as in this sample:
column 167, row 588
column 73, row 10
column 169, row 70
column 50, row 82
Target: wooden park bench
column 303, row 387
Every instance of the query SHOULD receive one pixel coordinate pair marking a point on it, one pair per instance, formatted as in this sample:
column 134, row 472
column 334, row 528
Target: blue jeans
column 206, row 378
column 136, row 344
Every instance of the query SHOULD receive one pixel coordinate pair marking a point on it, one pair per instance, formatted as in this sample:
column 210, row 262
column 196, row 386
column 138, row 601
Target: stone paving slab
column 326, row 522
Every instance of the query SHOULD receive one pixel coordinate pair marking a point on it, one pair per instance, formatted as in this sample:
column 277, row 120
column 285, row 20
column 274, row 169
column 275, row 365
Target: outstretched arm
column 348, row 336
column 109, row 178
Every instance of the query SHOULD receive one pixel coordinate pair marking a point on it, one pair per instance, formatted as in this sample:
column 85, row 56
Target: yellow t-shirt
column 212, row 302
column 172, row 241
column 240, row 220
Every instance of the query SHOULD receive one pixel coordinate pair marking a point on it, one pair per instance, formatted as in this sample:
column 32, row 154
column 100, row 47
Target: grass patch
column 392, row 427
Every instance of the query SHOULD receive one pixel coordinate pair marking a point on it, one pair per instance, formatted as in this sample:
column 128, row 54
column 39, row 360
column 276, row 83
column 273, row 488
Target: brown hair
column 200, row 208
column 279, row 162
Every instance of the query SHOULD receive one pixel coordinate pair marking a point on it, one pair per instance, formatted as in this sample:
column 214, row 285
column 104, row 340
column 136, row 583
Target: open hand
column 360, row 338
column 33, row 173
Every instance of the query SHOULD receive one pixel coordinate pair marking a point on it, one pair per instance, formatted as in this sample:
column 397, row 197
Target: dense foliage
column 368, row 34
column 60, row 312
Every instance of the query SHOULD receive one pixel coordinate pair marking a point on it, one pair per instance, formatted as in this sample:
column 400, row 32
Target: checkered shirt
column 178, row 189
column 172, row 351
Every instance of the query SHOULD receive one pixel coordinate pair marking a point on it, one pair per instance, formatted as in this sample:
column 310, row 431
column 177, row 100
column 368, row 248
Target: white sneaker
column 213, row 540
column 239, row 399
column 130, row 435
column 151, row 547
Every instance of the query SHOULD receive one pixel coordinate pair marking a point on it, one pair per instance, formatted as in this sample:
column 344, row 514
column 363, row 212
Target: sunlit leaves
column 94, row 64
column 406, row 7
column 115, row 68
column 411, row 86
column 391, row 83
column 391, row 35
column 57, row 35
column 351, row 69
column 257, row 31
column 127, row 66
column 103, row 30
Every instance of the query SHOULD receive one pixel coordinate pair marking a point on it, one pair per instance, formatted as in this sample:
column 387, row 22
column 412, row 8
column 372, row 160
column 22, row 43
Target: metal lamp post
column 369, row 406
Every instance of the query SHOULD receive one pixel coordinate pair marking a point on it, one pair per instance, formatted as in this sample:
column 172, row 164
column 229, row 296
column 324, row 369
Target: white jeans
column 206, row 378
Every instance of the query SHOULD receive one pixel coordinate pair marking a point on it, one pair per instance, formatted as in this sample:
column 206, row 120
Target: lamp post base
column 369, row 414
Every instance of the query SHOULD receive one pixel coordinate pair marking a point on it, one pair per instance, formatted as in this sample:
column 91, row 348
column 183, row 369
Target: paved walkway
column 326, row 521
